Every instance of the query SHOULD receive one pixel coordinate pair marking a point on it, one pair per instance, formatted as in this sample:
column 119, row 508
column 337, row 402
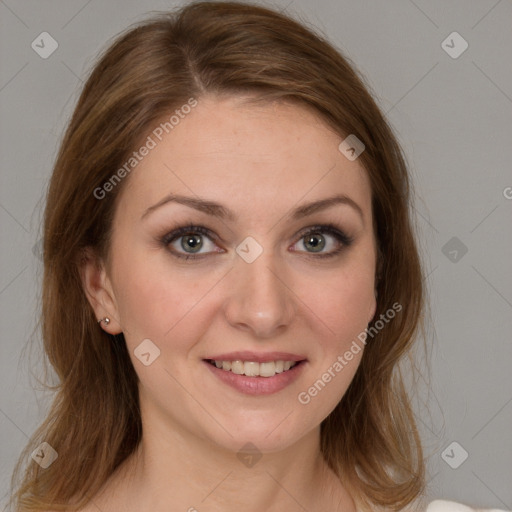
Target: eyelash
column 330, row 229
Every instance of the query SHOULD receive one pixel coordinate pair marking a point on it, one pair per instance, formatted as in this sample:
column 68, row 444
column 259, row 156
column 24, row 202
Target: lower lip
column 257, row 385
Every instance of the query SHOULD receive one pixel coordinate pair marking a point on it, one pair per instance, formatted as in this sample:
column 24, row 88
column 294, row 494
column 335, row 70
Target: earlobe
column 99, row 292
column 373, row 308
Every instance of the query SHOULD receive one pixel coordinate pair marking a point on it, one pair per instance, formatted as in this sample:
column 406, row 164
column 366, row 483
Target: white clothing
column 452, row 506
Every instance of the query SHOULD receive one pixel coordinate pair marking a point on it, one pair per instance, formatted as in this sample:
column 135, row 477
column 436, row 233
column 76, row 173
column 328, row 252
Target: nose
column 259, row 300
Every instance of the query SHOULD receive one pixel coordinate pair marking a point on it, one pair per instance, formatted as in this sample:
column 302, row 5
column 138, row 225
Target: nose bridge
column 258, row 298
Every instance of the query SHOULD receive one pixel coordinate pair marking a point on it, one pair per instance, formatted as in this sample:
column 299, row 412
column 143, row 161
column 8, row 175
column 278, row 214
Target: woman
column 231, row 280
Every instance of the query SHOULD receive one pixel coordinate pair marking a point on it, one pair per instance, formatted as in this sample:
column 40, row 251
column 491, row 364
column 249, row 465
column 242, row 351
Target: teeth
column 237, row 367
column 267, row 369
column 254, row 369
column 251, row 369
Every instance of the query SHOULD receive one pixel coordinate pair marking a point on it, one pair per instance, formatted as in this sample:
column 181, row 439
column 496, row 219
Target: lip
column 261, row 357
column 258, row 385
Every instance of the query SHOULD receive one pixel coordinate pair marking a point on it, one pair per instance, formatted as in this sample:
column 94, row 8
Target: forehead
column 256, row 158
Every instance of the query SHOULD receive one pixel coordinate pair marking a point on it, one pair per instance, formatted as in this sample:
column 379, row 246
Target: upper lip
column 257, row 357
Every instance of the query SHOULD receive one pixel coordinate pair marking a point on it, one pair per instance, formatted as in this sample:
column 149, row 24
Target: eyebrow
column 218, row 210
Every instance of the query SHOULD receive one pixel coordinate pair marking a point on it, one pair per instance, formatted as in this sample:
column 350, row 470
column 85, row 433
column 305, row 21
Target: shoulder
column 453, row 506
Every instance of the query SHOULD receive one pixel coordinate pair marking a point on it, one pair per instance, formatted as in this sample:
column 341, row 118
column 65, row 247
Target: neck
column 173, row 468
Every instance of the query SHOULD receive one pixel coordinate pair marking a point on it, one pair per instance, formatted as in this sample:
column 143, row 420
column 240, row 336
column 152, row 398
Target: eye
column 315, row 241
column 187, row 242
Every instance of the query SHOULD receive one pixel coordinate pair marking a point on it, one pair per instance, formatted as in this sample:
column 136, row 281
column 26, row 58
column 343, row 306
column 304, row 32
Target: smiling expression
column 243, row 244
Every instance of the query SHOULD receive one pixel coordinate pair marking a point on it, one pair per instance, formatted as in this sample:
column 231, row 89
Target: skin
column 261, row 162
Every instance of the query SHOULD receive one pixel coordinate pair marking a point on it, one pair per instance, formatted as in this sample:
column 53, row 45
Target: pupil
column 194, row 242
column 316, row 246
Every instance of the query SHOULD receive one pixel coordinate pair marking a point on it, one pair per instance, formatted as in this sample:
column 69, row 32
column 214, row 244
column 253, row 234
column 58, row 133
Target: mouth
column 255, row 374
column 254, row 368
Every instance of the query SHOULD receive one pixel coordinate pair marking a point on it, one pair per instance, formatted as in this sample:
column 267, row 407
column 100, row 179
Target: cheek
column 170, row 304
column 151, row 299
column 344, row 303
column 343, row 306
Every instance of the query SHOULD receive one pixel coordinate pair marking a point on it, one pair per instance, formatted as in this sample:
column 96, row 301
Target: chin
column 274, row 434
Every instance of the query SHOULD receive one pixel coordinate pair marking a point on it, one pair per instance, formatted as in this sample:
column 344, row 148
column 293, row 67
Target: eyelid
column 329, row 228
column 339, row 234
column 179, row 232
column 183, row 230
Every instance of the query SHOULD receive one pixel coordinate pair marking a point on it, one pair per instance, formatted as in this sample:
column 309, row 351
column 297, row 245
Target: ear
column 378, row 275
column 373, row 307
column 99, row 291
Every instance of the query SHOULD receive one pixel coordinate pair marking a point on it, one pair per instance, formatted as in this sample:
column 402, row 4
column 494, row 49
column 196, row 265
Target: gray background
column 454, row 120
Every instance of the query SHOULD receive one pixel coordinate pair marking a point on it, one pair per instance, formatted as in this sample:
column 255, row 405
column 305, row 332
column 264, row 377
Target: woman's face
column 257, row 288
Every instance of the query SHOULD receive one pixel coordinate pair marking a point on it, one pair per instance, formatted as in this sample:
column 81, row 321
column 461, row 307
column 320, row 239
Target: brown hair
column 370, row 439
